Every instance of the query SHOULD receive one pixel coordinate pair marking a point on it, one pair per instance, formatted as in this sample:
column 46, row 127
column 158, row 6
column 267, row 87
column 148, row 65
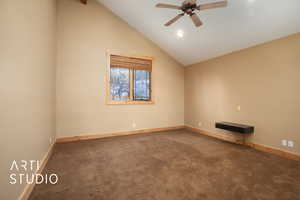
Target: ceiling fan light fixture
column 180, row 33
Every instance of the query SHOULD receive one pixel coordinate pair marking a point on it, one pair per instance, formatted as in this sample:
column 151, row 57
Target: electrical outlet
column 238, row 108
column 284, row 142
column 133, row 125
column 50, row 140
column 290, row 144
column 200, row 124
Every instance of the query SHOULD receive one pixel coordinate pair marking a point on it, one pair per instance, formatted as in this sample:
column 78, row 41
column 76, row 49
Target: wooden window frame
column 131, row 101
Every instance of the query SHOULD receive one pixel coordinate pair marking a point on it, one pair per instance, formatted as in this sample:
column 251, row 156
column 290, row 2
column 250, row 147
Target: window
column 129, row 80
column 141, row 85
column 119, row 84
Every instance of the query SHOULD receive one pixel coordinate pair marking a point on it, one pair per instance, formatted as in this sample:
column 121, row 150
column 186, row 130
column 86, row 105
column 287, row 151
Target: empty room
column 150, row 100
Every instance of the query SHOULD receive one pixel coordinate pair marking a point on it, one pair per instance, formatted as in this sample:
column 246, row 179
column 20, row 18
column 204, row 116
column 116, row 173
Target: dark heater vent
column 239, row 128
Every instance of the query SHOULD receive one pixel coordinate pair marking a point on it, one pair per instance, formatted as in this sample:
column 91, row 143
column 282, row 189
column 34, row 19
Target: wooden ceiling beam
column 84, row 1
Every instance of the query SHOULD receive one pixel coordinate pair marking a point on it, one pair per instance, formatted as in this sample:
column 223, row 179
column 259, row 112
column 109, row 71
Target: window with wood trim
column 129, row 80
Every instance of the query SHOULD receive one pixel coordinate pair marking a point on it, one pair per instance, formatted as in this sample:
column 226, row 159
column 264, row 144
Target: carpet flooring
column 174, row 165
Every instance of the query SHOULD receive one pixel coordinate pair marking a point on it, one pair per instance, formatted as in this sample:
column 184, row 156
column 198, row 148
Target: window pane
column 119, row 84
column 141, row 85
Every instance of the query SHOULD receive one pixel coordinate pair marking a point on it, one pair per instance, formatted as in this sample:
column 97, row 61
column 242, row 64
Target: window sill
column 128, row 102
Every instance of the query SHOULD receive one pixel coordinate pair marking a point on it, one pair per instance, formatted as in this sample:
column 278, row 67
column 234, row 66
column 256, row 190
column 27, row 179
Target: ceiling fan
column 189, row 7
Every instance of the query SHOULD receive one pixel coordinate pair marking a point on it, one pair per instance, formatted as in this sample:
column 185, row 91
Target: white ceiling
column 244, row 23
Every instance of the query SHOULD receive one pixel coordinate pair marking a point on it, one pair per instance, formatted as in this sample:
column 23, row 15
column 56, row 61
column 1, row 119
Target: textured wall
column 263, row 80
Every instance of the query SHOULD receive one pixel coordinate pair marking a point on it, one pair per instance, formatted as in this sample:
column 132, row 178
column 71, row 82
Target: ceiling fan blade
column 196, row 19
column 162, row 5
column 212, row 5
column 174, row 19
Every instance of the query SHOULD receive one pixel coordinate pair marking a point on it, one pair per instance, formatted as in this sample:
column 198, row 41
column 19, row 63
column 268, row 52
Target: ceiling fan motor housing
column 188, row 7
column 190, row 2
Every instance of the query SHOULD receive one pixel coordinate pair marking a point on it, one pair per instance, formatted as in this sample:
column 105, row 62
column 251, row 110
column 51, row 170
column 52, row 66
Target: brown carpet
column 175, row 165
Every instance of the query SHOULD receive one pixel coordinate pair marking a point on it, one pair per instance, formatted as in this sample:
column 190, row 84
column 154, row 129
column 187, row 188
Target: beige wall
column 85, row 32
column 27, row 84
column 263, row 80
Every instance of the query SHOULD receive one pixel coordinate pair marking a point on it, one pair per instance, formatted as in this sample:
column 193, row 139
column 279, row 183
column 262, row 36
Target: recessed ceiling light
column 251, row 1
column 180, row 33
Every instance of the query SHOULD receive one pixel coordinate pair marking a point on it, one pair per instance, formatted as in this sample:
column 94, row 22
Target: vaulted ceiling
column 244, row 23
